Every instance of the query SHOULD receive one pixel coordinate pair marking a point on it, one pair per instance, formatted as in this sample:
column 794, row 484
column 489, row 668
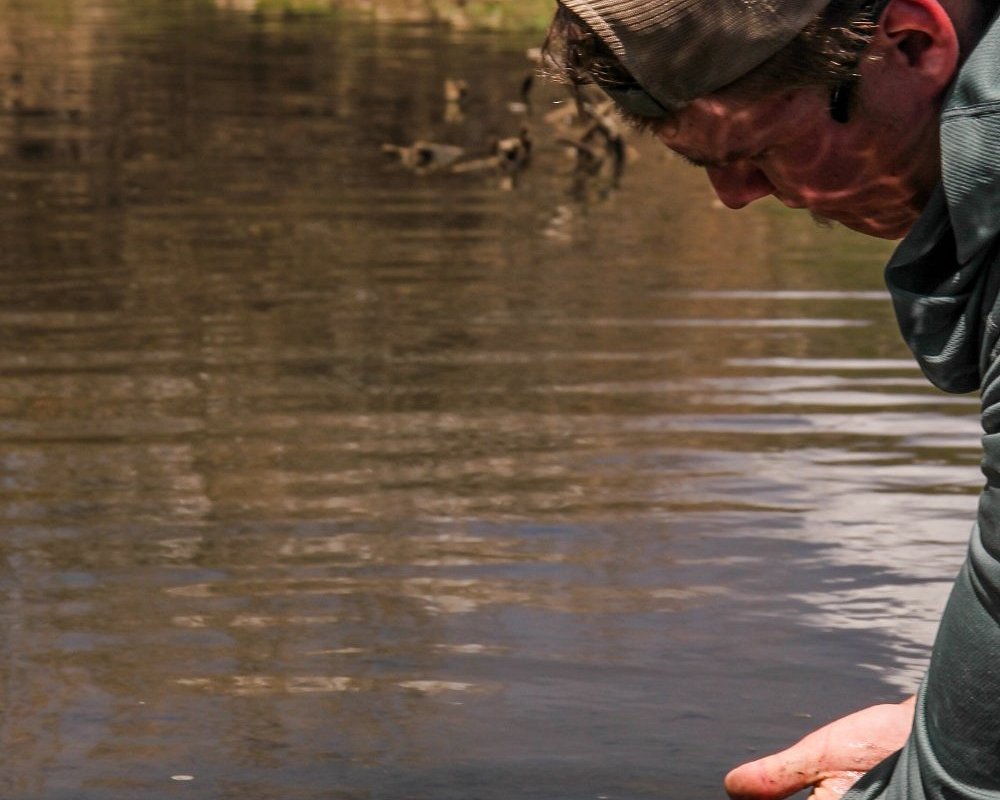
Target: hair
column 825, row 53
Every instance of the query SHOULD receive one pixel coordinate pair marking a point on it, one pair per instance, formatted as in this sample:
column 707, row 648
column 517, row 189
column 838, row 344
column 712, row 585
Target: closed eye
column 728, row 161
column 694, row 162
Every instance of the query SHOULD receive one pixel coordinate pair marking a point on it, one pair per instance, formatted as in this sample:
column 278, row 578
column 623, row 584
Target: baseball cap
column 678, row 50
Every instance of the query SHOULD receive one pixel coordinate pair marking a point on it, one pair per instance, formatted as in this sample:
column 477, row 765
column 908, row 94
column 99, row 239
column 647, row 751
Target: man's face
column 872, row 174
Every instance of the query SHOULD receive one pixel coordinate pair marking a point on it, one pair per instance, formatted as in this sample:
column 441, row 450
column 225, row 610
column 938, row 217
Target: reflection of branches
column 586, row 125
column 599, row 153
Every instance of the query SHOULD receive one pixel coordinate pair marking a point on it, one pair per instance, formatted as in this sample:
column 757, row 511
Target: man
column 883, row 115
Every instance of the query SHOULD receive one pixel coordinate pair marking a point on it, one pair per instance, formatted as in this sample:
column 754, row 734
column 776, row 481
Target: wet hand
column 828, row 760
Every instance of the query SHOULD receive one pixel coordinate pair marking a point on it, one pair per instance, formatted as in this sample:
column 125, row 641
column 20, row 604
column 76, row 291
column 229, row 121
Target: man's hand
column 830, row 759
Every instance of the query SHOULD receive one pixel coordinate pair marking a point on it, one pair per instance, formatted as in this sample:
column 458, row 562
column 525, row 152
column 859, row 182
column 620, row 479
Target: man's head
column 663, row 53
column 836, row 113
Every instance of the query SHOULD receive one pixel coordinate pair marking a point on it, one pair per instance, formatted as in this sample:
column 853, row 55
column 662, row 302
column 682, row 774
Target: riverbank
column 463, row 14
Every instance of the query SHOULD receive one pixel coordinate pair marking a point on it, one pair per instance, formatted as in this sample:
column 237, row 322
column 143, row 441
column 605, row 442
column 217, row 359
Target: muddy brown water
column 322, row 479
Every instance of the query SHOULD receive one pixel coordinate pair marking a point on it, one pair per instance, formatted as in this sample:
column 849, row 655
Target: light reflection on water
column 323, row 479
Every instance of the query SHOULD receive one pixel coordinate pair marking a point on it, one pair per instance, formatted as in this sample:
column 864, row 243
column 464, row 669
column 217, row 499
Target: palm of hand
column 828, row 760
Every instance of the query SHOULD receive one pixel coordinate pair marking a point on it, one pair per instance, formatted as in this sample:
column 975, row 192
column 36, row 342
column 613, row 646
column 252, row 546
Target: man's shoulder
column 976, row 89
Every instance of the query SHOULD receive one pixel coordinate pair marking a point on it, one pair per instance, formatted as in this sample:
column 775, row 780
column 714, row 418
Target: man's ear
column 919, row 36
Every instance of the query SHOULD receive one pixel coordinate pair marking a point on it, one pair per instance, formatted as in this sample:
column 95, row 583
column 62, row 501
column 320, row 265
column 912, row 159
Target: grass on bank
column 486, row 14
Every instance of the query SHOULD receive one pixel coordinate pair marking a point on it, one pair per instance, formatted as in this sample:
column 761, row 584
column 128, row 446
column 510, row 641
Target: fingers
column 776, row 776
column 836, row 787
column 829, row 759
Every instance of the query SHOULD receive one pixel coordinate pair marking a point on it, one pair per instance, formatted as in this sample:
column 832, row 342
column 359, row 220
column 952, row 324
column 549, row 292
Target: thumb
column 836, row 753
column 776, row 776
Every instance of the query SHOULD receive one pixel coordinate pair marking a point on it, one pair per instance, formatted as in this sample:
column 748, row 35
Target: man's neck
column 971, row 19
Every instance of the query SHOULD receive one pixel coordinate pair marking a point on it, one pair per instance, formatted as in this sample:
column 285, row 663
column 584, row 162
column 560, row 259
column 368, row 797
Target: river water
column 326, row 479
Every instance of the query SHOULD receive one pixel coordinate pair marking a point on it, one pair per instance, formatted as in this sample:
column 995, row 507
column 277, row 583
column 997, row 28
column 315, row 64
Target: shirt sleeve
column 954, row 749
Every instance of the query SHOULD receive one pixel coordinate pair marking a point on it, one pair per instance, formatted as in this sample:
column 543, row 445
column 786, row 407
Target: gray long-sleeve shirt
column 944, row 279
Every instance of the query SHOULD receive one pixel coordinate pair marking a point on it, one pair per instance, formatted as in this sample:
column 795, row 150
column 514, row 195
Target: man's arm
column 830, row 759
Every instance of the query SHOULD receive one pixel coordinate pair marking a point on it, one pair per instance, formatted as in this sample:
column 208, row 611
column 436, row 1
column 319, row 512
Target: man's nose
column 739, row 184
